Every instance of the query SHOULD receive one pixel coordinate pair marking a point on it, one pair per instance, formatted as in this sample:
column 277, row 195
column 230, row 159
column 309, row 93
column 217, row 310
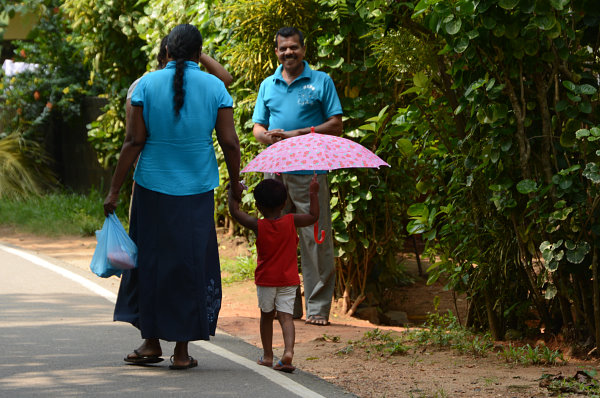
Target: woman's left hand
column 110, row 203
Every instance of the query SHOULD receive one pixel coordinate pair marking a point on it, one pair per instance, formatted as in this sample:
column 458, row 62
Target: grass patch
column 377, row 342
column 444, row 330
column 239, row 269
column 527, row 355
column 58, row 214
column 441, row 330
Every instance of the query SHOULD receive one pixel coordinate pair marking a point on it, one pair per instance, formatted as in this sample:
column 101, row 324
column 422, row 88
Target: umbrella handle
column 319, row 241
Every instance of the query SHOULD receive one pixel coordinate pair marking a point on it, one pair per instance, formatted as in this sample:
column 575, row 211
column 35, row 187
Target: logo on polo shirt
column 307, row 95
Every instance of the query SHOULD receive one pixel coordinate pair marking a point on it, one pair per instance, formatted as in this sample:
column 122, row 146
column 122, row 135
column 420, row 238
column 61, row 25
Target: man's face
column 289, row 52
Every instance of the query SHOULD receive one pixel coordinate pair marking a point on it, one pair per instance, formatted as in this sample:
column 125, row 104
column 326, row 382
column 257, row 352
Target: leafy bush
column 58, row 214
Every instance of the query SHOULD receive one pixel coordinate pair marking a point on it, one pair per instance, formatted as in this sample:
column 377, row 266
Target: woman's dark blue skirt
column 174, row 294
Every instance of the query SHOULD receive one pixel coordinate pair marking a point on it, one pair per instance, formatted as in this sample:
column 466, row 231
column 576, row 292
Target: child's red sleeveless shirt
column 276, row 246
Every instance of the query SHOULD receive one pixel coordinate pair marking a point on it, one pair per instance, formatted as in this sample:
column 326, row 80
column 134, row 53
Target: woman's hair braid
column 184, row 43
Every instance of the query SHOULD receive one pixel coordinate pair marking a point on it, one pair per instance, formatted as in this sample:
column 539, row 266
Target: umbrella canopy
column 313, row 152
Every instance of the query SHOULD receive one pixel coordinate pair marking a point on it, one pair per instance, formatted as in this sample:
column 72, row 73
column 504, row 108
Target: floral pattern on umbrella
column 313, row 152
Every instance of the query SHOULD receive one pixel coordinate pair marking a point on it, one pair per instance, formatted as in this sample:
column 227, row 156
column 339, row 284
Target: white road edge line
column 270, row 374
column 99, row 290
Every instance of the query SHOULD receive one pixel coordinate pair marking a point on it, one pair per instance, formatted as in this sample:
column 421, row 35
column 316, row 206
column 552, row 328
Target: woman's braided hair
column 184, row 43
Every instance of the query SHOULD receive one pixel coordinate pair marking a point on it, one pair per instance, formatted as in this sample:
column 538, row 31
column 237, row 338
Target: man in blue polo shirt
column 290, row 102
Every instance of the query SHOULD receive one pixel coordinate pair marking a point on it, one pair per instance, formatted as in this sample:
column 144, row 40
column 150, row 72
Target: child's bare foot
column 284, row 367
column 287, row 357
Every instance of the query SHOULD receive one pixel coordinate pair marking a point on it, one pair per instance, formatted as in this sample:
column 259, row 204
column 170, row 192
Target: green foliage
column 444, row 330
column 527, row 355
column 112, row 51
column 58, row 84
column 504, row 136
column 240, row 269
column 33, row 100
column 376, row 342
column 249, row 27
column 583, row 383
column 57, row 214
column 20, row 173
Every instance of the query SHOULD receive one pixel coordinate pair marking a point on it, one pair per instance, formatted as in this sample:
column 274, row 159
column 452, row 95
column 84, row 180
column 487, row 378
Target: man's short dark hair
column 270, row 194
column 289, row 32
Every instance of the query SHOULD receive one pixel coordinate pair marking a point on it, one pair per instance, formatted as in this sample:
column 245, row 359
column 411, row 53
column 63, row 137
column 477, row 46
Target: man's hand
column 314, row 185
column 274, row 135
column 280, row 134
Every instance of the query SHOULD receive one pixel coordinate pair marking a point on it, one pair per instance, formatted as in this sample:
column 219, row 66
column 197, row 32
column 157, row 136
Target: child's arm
column 244, row 219
column 304, row 220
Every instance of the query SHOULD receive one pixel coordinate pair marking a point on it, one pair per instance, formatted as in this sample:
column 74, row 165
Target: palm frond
column 22, row 172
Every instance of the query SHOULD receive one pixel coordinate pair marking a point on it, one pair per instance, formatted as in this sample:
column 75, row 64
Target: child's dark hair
column 270, row 194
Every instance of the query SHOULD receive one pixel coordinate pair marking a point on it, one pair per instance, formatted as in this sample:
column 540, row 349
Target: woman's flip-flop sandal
column 140, row 359
column 192, row 364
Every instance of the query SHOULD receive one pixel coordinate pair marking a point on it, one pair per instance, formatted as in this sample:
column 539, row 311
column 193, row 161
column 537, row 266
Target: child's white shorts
column 279, row 298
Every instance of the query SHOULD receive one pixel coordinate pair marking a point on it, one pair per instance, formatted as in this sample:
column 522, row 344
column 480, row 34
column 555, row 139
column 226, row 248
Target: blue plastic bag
column 115, row 251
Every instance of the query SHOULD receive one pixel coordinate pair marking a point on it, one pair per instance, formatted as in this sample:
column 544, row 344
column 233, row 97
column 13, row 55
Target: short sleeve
column 132, row 87
column 331, row 102
column 261, row 113
column 137, row 97
column 224, row 99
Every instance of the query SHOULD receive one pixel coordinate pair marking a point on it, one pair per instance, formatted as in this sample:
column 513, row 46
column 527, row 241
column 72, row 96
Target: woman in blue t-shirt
column 174, row 294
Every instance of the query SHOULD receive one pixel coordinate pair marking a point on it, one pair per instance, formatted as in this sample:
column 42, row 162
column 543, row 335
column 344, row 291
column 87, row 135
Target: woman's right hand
column 110, row 203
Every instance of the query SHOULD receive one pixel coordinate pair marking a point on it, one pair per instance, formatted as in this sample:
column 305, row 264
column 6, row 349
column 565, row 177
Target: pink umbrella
column 313, row 152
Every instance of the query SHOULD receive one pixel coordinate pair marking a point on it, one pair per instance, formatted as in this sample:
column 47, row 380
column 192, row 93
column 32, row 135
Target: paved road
column 57, row 338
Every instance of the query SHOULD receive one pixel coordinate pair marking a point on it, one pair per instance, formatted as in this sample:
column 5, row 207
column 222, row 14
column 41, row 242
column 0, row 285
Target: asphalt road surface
column 57, row 339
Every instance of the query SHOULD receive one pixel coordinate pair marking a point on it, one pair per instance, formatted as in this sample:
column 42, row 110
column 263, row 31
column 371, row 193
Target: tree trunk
column 547, row 146
column 470, row 321
column 524, row 147
column 588, row 310
column 359, row 300
column 565, row 305
column 345, row 300
column 596, row 296
column 493, row 322
column 581, row 318
column 531, row 277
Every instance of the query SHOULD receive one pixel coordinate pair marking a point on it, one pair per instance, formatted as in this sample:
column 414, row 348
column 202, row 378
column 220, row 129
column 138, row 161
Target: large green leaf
column 461, row 44
column 559, row 4
column 577, row 255
column 587, row 89
column 418, row 210
column 592, row 172
column 405, row 147
column 508, row 4
column 550, row 292
column 333, row 63
column 526, row 186
column 453, row 27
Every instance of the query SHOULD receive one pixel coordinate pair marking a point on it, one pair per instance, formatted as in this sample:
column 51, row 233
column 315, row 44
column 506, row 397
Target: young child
column 276, row 274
